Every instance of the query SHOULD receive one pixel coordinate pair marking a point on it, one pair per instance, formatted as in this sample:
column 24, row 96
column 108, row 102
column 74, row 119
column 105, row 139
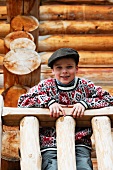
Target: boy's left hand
column 78, row 110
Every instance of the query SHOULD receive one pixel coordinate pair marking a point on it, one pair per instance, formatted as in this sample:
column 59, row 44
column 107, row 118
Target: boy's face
column 64, row 70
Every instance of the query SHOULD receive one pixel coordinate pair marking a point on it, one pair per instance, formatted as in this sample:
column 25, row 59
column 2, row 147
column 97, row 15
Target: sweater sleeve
column 36, row 97
column 97, row 97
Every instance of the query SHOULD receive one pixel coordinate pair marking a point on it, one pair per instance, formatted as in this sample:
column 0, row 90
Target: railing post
column 65, row 128
column 29, row 144
column 103, row 142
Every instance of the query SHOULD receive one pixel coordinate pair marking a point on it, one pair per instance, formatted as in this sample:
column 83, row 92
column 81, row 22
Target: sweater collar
column 69, row 86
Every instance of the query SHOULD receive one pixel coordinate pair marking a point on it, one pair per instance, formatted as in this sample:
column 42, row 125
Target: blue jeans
column 83, row 159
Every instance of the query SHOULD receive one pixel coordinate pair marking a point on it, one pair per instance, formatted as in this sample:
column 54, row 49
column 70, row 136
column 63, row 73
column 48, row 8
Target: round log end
column 21, row 61
column 25, row 23
column 17, row 34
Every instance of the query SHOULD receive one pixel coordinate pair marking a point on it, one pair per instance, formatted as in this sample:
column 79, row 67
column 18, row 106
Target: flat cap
column 63, row 52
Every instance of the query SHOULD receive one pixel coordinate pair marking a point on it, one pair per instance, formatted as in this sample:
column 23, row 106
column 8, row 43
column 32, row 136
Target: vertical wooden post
column 65, row 128
column 29, row 144
column 103, row 142
column 1, row 109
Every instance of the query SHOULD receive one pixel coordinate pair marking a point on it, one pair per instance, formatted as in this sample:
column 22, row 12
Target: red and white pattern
column 81, row 91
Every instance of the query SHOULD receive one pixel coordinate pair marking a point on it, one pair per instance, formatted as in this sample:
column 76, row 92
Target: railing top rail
column 12, row 116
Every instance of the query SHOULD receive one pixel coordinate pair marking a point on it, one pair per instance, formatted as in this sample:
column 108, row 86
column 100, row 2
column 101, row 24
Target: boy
column 64, row 90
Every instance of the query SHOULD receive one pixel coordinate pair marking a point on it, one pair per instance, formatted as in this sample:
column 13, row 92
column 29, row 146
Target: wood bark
column 29, row 144
column 103, row 141
column 75, row 27
column 76, row 12
column 65, row 129
column 78, row 42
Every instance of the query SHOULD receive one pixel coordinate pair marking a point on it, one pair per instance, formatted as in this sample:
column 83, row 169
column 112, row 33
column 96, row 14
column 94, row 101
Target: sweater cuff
column 51, row 102
column 84, row 104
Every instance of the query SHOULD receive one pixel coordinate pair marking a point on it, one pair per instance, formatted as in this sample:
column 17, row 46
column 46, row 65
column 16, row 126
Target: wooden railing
column 29, row 120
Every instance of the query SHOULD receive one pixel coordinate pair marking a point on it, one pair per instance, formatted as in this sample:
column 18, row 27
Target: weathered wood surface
column 12, row 116
column 3, row 12
column 75, row 27
column 12, row 94
column 29, row 144
column 21, row 66
column 102, row 76
column 76, row 12
column 59, row 12
column 77, row 1
column 79, row 42
column 65, row 130
column 4, row 28
column 1, row 106
column 103, row 141
column 2, row 48
column 67, row 27
column 87, row 58
column 90, row 42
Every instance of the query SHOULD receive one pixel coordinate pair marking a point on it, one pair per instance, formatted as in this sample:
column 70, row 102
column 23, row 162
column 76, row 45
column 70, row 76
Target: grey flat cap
column 63, row 52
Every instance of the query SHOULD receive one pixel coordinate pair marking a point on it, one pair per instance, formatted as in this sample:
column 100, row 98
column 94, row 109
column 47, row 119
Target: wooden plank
column 12, row 116
column 76, row 12
column 87, row 42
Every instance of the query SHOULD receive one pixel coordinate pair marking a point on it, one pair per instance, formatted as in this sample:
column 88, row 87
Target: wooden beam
column 87, row 42
column 76, row 12
column 75, row 27
column 12, row 116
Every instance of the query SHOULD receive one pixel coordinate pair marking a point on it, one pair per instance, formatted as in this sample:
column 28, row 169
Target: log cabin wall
column 84, row 25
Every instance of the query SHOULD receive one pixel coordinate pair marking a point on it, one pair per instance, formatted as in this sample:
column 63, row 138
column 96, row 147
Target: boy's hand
column 55, row 110
column 78, row 110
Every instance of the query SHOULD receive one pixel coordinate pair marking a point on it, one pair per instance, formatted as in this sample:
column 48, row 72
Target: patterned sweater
column 78, row 91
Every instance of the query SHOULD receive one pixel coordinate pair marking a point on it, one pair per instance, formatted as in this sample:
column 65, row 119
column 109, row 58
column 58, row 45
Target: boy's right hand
column 55, row 110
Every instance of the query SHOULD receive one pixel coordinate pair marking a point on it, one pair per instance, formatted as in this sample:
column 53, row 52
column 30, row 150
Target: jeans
column 83, row 159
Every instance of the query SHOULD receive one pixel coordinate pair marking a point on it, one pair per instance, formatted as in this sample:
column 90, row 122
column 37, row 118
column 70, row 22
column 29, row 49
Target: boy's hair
column 63, row 53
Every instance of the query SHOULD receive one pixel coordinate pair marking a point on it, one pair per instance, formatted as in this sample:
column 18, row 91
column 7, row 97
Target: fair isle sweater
column 78, row 91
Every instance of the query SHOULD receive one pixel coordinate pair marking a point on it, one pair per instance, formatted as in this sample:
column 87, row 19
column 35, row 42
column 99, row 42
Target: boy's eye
column 59, row 67
column 69, row 67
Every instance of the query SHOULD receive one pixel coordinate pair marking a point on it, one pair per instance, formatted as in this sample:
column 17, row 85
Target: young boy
column 64, row 90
